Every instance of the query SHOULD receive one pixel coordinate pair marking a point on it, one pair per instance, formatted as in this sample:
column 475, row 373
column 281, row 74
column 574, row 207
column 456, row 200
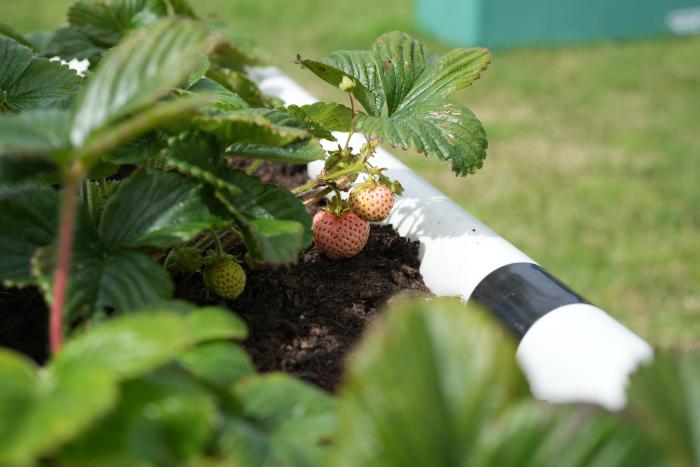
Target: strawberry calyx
column 337, row 206
column 393, row 185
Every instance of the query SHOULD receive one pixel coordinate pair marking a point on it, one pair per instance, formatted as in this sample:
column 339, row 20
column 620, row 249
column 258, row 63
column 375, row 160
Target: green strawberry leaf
column 239, row 83
column 433, row 406
column 59, row 409
column 14, row 59
column 210, row 323
column 133, row 75
column 137, row 151
column 274, row 223
column 224, row 99
column 299, row 152
column 451, row 72
column 35, row 132
column 14, row 169
column 358, row 64
column 447, row 129
column 108, row 23
column 18, row 388
column 102, row 277
column 285, row 422
column 163, row 418
column 96, row 26
column 664, row 396
column 218, row 363
column 273, row 241
column 49, row 407
column 27, row 81
column 256, row 126
column 127, row 346
column 400, row 60
column 198, row 155
column 329, row 116
column 28, row 219
column 270, row 134
column 157, row 209
column 44, row 83
column 69, row 43
column 172, row 115
column 414, row 84
column 118, row 279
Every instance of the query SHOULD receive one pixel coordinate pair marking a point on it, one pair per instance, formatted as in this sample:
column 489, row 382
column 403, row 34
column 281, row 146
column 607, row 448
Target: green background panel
column 508, row 23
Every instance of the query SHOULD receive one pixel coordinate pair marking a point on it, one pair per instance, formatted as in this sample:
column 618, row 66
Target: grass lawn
column 594, row 160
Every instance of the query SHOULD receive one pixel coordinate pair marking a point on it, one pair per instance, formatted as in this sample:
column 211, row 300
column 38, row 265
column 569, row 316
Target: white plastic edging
column 575, row 353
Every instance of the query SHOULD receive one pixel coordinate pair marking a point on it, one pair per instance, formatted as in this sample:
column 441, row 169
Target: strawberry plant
column 162, row 104
column 171, row 102
column 412, row 83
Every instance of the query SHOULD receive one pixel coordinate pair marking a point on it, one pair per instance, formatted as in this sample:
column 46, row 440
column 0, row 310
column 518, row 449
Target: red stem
column 65, row 251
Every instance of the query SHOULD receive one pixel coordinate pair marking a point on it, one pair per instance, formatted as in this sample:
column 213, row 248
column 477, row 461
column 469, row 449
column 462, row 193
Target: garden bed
column 303, row 318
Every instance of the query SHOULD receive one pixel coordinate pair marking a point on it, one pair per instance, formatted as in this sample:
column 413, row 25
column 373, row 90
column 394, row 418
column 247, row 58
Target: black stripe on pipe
column 521, row 293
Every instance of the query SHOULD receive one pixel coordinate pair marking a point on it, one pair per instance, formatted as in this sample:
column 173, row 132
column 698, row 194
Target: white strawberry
column 372, row 201
column 341, row 236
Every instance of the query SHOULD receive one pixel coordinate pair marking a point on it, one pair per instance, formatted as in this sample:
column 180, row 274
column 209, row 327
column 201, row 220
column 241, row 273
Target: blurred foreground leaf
column 40, row 409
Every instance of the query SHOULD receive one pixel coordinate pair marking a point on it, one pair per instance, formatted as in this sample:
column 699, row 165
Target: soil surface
column 24, row 322
column 303, row 318
column 288, row 176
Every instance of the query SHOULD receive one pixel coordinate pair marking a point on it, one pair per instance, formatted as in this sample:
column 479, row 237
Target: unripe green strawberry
column 188, row 259
column 372, row 201
column 225, row 277
column 341, row 236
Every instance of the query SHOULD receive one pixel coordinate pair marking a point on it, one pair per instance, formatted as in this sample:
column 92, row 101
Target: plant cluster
column 140, row 152
column 112, row 182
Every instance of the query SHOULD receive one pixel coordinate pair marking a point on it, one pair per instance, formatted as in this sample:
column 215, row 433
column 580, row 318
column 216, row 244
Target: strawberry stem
column 217, row 242
column 65, row 252
column 352, row 122
column 254, row 166
column 317, row 181
column 318, row 196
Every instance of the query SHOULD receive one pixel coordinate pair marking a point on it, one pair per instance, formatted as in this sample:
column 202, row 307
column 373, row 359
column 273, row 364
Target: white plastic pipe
column 570, row 351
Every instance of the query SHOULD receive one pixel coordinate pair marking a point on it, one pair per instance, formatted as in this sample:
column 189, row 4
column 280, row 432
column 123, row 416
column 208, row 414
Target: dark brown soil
column 304, row 318
column 24, row 321
column 288, row 176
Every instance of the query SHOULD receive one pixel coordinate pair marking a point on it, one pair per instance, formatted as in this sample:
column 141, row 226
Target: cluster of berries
column 342, row 231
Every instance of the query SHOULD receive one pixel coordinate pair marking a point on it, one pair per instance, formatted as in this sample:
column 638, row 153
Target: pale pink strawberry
column 341, row 236
column 372, row 202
